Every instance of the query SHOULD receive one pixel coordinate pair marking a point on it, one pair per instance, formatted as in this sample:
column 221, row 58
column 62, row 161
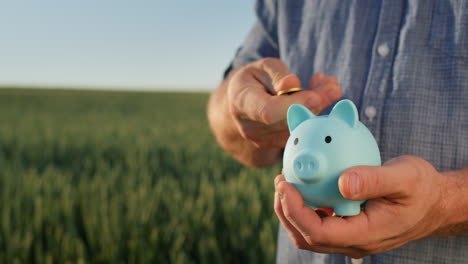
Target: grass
column 125, row 177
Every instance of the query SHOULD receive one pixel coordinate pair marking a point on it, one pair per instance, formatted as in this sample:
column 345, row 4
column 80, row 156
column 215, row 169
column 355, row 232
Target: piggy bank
column 320, row 148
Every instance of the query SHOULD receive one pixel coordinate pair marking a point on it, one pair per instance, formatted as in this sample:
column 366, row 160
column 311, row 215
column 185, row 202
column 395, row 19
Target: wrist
column 454, row 203
column 457, row 190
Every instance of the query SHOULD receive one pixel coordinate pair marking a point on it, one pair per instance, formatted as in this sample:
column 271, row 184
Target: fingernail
column 352, row 182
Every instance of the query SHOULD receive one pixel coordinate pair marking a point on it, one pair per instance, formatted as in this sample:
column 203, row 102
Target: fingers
column 295, row 236
column 262, row 136
column 246, row 95
column 327, row 86
column 258, row 113
column 316, row 80
column 395, row 179
column 300, row 242
column 299, row 215
column 249, row 99
column 278, row 179
column 276, row 107
column 306, row 229
column 383, row 225
column 253, row 89
column 317, row 231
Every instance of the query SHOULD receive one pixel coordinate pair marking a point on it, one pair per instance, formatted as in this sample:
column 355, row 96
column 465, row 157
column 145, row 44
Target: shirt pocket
column 449, row 28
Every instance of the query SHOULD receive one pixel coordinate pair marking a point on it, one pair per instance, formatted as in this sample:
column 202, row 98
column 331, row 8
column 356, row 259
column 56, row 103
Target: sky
column 116, row 44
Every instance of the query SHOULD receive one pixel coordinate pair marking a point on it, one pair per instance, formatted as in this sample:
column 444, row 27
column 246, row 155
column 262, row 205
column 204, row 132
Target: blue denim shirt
column 404, row 64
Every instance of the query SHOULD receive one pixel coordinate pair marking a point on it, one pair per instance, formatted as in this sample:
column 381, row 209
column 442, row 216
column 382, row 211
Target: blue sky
column 119, row 44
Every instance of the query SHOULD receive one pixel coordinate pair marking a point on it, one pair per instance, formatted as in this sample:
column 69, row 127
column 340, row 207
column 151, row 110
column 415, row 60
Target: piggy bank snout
column 309, row 167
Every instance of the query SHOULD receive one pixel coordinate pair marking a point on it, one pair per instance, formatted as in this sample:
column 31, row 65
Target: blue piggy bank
column 320, row 148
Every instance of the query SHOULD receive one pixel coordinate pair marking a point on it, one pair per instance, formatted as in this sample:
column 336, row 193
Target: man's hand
column 249, row 119
column 408, row 200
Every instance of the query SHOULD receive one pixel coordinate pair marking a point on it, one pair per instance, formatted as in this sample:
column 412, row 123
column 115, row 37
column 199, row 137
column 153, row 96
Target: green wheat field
column 125, row 177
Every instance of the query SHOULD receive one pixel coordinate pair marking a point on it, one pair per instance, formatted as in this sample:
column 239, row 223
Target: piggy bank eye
column 328, row 139
column 296, row 140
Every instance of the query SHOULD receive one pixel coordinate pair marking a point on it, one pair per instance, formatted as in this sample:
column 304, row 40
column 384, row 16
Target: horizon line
column 109, row 87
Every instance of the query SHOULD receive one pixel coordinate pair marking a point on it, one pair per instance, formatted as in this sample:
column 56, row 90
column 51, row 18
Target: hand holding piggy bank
column 320, row 148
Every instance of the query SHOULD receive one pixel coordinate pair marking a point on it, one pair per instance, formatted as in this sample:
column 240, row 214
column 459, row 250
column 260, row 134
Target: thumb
column 275, row 75
column 286, row 82
column 370, row 182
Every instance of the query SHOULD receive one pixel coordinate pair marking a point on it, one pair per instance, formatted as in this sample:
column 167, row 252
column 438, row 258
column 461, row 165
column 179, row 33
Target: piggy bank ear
column 346, row 111
column 297, row 114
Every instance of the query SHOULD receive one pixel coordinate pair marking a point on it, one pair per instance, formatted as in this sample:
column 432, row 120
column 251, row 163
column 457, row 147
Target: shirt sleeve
column 262, row 40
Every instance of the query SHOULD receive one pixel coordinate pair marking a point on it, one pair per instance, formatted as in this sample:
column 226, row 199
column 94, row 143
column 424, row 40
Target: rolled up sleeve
column 262, row 40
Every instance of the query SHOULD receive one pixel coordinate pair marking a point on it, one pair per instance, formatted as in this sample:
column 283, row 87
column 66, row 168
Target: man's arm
column 249, row 120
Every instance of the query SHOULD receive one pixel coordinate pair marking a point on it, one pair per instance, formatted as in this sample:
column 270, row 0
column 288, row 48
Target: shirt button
column 370, row 112
column 383, row 50
column 357, row 261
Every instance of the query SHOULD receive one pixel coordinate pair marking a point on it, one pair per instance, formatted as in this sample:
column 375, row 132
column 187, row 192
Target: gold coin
column 289, row 91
